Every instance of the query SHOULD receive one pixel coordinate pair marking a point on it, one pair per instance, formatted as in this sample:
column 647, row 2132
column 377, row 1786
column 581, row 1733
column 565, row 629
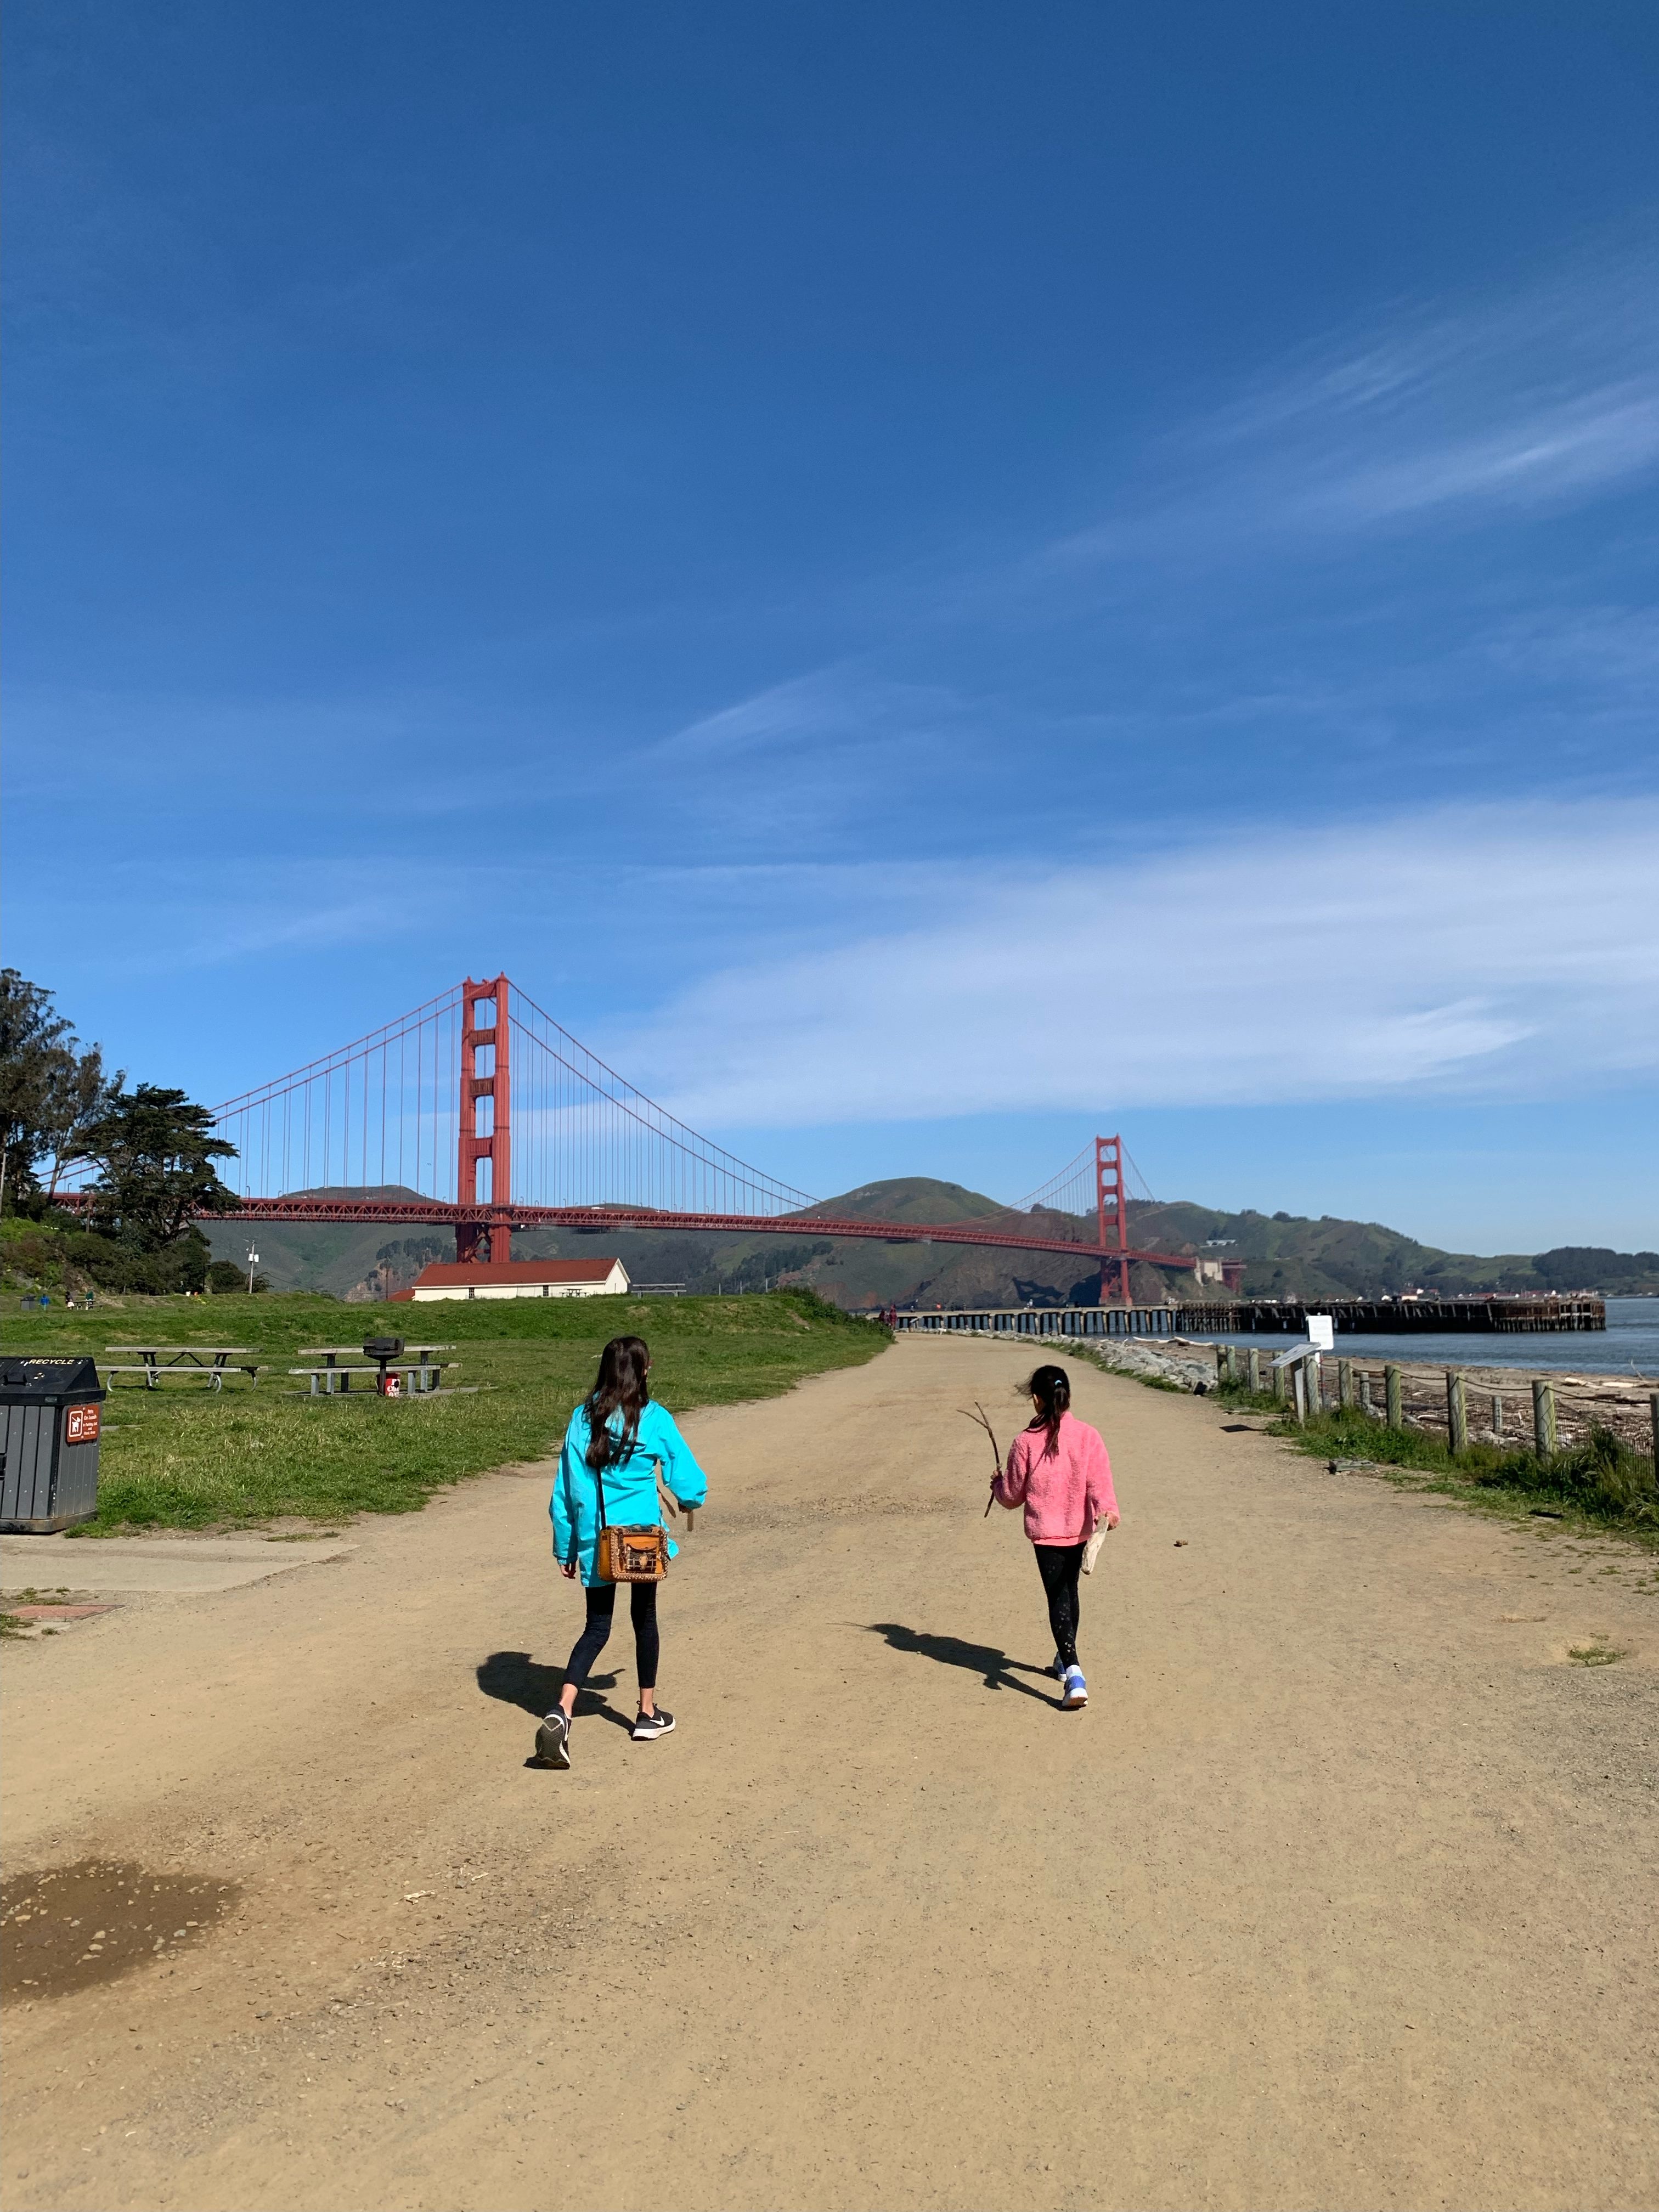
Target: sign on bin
column 81, row 1423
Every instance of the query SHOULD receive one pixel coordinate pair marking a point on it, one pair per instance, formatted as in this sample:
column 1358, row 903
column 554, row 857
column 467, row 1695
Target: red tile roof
column 461, row 1273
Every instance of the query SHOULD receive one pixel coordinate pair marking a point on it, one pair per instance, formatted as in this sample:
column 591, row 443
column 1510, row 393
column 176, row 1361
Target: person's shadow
column 996, row 1668
column 517, row 1679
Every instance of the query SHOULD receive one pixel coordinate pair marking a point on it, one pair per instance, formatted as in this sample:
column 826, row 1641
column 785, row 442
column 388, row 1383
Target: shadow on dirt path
column 996, row 1669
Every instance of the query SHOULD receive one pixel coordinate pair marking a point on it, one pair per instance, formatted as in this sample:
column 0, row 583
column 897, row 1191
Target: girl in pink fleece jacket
column 1058, row 1470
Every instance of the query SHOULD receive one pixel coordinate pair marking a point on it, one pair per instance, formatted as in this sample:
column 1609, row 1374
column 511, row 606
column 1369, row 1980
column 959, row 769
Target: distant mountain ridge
column 1285, row 1256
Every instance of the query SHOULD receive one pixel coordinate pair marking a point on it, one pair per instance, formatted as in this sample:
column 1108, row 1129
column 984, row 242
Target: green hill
column 1285, row 1256
column 334, row 1257
column 908, row 1198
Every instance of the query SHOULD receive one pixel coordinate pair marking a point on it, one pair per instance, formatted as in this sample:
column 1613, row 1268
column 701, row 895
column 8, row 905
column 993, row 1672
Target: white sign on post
column 1322, row 1332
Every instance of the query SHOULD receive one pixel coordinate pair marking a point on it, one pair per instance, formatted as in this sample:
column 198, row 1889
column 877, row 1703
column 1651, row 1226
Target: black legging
column 642, row 1605
column 1059, row 1565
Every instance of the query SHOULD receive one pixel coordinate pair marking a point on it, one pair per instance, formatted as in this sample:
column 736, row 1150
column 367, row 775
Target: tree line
column 142, row 1163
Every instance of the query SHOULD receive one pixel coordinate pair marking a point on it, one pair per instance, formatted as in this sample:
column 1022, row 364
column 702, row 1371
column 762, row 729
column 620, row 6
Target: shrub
column 1601, row 1477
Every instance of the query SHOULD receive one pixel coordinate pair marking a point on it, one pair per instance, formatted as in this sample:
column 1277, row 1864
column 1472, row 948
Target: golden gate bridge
column 478, row 1112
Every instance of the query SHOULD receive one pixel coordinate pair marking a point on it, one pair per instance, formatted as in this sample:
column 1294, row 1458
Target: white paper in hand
column 1091, row 1549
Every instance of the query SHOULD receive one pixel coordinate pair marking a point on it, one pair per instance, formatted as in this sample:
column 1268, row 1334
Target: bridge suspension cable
column 586, row 1136
column 380, row 1113
column 1072, row 1189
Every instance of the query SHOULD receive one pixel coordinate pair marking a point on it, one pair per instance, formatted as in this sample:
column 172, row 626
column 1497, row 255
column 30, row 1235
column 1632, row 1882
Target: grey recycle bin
column 52, row 1410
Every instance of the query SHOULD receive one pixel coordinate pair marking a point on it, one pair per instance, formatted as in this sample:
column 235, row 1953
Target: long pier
column 1274, row 1317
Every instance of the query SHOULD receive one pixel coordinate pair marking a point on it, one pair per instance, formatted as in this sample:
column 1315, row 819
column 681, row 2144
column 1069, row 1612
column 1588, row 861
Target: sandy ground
column 1341, row 1893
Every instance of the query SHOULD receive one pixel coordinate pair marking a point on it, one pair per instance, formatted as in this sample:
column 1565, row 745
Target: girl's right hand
column 568, row 1573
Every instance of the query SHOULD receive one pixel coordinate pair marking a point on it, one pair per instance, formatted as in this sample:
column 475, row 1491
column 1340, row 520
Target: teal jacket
column 630, row 1485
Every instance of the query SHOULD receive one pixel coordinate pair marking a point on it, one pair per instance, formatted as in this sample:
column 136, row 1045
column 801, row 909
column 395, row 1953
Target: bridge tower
column 486, row 1120
column 1111, row 1205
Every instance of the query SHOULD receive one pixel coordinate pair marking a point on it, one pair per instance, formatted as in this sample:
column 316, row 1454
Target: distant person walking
column 617, row 1437
column 1058, row 1470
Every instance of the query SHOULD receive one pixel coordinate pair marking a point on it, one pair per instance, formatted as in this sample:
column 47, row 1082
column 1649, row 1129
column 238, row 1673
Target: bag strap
column 598, row 1477
column 598, row 1481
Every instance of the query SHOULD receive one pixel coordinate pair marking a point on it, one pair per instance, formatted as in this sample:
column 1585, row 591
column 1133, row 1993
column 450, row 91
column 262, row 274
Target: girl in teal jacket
column 617, row 1433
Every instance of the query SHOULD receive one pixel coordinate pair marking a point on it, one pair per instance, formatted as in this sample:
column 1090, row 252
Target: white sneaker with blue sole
column 1077, row 1690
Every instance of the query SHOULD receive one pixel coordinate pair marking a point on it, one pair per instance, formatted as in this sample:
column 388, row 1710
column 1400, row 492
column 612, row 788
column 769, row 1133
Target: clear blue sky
column 930, row 579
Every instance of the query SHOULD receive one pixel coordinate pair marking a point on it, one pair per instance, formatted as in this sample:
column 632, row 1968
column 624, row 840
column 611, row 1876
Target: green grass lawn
column 184, row 1458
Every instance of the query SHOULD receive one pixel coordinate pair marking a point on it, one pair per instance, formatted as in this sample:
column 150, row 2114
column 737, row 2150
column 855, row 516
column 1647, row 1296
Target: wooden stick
column 979, row 1415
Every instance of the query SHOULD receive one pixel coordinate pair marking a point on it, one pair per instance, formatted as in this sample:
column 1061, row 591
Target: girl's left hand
column 568, row 1573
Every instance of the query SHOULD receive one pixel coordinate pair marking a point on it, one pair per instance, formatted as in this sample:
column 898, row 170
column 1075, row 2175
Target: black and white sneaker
column 553, row 1741
column 648, row 1726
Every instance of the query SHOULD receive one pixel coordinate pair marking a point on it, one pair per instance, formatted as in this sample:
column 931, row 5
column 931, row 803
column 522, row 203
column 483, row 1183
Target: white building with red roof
column 521, row 1278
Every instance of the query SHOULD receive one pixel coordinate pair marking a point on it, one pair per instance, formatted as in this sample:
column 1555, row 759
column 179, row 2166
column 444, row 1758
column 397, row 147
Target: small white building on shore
column 521, row 1278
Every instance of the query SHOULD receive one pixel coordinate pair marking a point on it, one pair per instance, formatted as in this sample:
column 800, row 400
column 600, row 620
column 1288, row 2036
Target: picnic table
column 415, row 1360
column 210, row 1361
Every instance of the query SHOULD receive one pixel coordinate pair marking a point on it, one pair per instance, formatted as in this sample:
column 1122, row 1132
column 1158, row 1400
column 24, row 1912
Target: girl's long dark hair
column 621, row 1383
column 1052, row 1388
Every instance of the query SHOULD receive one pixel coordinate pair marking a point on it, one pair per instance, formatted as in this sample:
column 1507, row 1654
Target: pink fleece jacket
column 1065, row 1490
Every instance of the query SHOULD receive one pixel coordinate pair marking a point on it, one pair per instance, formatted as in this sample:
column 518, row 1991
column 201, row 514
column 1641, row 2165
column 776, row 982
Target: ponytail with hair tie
column 1052, row 1388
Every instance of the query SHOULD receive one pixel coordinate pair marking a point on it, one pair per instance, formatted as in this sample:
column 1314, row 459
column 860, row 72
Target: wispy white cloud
column 185, row 935
column 1514, row 951
column 1552, row 454
column 808, row 757
column 829, row 706
column 1524, row 401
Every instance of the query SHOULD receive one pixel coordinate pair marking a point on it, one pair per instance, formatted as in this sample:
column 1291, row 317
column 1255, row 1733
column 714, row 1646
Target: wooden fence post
column 1653, row 1431
column 1278, row 1374
column 1344, row 1384
column 1365, row 1405
column 1457, row 1411
column 1543, row 1420
column 1253, row 1369
column 1299, row 1388
column 1395, row 1415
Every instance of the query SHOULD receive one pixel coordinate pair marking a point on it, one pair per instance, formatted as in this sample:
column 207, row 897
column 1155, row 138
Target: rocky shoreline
column 1499, row 1399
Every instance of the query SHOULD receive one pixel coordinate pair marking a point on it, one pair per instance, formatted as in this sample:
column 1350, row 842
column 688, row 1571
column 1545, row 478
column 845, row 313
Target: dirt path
column 1340, row 1894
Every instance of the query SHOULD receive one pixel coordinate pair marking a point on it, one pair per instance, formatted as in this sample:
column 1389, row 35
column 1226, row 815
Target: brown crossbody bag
column 629, row 1555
